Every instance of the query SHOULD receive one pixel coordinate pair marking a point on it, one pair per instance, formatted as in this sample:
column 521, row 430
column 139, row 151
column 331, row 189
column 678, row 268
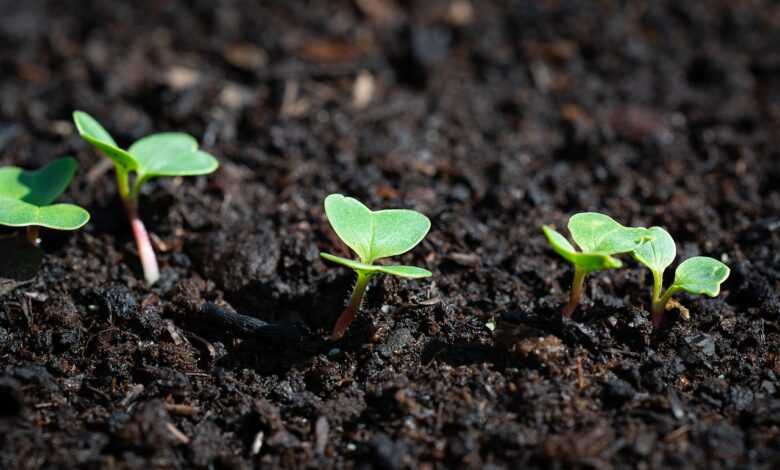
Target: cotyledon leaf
column 599, row 233
column 38, row 187
column 658, row 252
column 94, row 133
column 588, row 262
column 17, row 213
column 700, row 275
column 411, row 272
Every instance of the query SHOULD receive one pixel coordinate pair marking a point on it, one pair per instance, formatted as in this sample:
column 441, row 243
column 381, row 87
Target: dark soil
column 491, row 117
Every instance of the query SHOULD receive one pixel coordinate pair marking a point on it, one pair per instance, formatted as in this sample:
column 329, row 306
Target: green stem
column 136, row 189
column 658, row 285
column 576, row 291
column 123, row 184
column 351, row 311
column 659, row 306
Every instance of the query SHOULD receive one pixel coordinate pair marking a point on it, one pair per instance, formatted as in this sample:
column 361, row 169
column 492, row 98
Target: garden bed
column 491, row 118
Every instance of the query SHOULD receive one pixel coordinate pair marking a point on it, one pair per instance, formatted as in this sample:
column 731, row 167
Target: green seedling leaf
column 697, row 275
column 156, row 155
column 700, row 275
column 588, row 262
column 375, row 235
column 163, row 154
column 39, row 187
column 95, row 134
column 26, row 197
column 599, row 237
column 17, row 213
column 409, row 272
column 658, row 252
column 372, row 235
column 171, row 154
column 599, row 233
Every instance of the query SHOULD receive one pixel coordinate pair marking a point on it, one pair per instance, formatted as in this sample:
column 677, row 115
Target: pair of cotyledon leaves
column 374, row 235
column 162, row 154
column 26, row 197
column 599, row 237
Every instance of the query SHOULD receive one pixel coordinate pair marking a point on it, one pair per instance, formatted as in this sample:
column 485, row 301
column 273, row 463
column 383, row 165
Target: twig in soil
column 181, row 409
column 245, row 325
column 677, row 433
column 177, row 434
column 210, row 349
column 132, row 395
column 98, row 392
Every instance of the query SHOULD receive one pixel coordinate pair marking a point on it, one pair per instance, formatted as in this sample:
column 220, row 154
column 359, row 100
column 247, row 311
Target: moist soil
column 491, row 117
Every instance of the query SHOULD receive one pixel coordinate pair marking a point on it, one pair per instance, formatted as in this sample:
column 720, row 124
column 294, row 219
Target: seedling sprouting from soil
column 26, row 198
column 599, row 237
column 372, row 235
column 156, row 155
column 697, row 275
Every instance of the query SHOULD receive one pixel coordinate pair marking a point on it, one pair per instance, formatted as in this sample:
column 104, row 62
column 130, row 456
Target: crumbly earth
column 491, row 117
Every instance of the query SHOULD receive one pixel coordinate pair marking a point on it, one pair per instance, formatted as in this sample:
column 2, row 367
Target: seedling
column 697, row 275
column 26, row 198
column 156, row 155
column 372, row 236
column 599, row 237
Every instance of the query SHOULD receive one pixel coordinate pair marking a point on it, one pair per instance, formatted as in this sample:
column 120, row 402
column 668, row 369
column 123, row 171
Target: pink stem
column 144, row 245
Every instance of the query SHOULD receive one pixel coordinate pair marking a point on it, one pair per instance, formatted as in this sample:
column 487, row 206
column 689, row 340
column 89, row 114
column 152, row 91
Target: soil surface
column 491, row 117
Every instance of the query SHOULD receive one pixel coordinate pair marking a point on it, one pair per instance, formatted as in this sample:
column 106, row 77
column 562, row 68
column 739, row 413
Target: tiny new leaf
column 658, row 252
column 700, row 275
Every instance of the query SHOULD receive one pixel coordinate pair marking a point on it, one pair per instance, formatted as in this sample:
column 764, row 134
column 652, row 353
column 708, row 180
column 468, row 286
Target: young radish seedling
column 599, row 237
column 697, row 275
column 26, row 198
column 156, row 155
column 372, row 235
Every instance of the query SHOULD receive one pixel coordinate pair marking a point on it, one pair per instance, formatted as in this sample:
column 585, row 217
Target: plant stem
column 658, row 284
column 142, row 242
column 576, row 291
column 349, row 313
column 659, row 307
column 123, row 184
column 33, row 232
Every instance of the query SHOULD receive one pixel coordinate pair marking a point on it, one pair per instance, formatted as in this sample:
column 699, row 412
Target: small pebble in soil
column 396, row 342
column 617, row 391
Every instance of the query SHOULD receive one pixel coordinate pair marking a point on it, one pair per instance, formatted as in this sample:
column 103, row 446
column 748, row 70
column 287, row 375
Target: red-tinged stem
column 349, row 313
column 33, row 235
column 576, row 292
column 143, row 243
